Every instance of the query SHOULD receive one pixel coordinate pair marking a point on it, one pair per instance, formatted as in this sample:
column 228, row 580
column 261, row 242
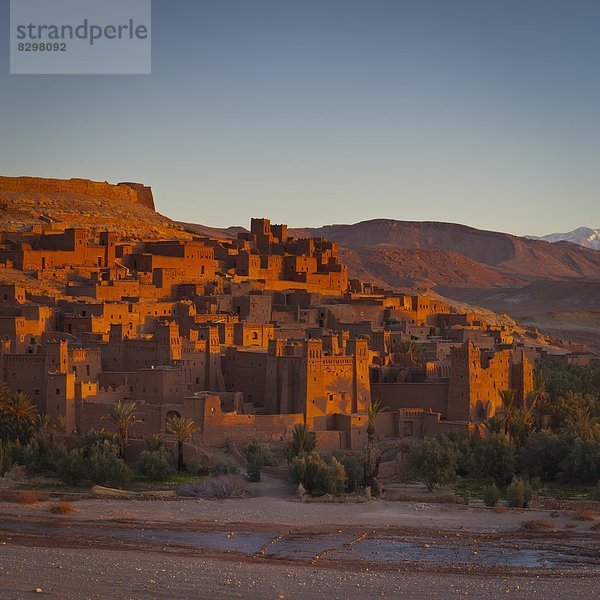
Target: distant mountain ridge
column 582, row 236
column 431, row 253
column 495, row 258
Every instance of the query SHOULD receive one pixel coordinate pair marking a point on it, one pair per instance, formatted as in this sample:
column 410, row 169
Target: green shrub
column 94, row 437
column 433, row 461
column 72, row 467
column 39, row 455
column 104, row 466
column 303, row 441
column 582, row 462
column 223, row 468
column 100, row 464
column 260, row 452
column 519, row 493
column 491, row 495
column 465, row 458
column 254, row 467
column 335, row 478
column 354, row 468
column 317, row 476
column 542, row 455
column 157, row 464
column 258, row 456
column 6, row 457
column 195, row 466
column 495, row 459
column 155, row 442
column 536, row 484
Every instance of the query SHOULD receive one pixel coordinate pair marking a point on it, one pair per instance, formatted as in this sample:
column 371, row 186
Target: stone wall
column 428, row 396
column 128, row 192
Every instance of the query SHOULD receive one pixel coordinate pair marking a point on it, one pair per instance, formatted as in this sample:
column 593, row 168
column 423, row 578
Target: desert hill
column 502, row 259
column 412, row 253
column 204, row 230
column 568, row 309
column 127, row 208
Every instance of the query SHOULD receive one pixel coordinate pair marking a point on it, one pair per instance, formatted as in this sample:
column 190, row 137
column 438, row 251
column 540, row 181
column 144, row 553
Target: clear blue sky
column 483, row 112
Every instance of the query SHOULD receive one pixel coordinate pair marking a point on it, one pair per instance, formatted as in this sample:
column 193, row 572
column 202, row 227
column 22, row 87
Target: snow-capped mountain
column 583, row 236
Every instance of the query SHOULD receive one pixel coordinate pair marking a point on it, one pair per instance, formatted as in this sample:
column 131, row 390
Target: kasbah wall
column 128, row 192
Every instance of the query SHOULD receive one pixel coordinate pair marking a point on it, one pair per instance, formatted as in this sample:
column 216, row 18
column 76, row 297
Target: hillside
column 402, row 267
column 204, row 230
column 540, row 296
column 407, row 253
column 127, row 208
column 508, row 259
column 566, row 309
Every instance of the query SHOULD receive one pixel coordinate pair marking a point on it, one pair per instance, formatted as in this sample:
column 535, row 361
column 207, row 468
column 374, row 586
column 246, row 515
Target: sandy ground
column 284, row 513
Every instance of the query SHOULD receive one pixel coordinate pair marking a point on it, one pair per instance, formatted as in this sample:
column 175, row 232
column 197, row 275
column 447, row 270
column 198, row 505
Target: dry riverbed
column 275, row 546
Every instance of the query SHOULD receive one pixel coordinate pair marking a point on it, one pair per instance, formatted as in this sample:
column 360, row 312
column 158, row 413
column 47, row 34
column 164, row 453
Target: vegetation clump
column 157, row 464
column 433, row 461
column 303, row 441
column 25, row 497
column 317, row 476
column 519, row 493
column 258, row 456
column 216, row 488
column 537, row 525
column 223, row 468
column 491, row 495
column 62, row 507
column 181, row 429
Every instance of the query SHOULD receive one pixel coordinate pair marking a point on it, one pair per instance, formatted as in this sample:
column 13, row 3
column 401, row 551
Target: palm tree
column 46, row 426
column 410, row 348
column 18, row 415
column 303, row 441
column 540, row 398
column 518, row 420
column 374, row 409
column 371, row 466
column 181, row 428
column 508, row 402
column 123, row 415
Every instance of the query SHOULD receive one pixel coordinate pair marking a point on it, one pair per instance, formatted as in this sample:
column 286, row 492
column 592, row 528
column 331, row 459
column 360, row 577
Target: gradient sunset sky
column 482, row 112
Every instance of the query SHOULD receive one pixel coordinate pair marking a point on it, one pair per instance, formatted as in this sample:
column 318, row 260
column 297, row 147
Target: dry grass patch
column 500, row 509
column 584, row 515
column 595, row 527
column 63, row 507
column 537, row 525
column 223, row 486
column 25, row 497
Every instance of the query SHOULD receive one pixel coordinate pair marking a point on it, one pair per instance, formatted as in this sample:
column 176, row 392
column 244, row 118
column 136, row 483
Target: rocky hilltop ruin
column 127, row 191
column 126, row 208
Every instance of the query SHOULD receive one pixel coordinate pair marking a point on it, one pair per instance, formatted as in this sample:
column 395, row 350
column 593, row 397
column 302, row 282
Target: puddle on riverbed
column 389, row 549
column 309, row 547
column 306, row 547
